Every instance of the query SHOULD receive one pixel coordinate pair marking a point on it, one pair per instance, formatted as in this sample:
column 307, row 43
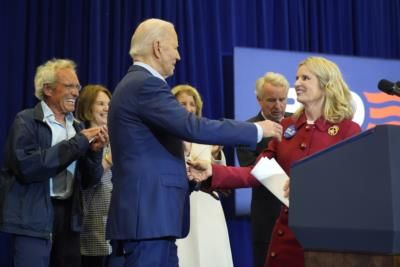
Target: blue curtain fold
column 96, row 34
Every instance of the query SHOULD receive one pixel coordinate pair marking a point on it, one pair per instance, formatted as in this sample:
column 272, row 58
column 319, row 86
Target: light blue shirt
column 59, row 133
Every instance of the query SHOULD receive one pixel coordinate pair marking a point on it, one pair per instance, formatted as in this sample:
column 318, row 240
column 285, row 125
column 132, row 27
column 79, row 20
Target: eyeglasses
column 71, row 86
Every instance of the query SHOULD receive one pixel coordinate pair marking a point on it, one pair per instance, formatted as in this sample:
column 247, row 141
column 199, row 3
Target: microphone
column 389, row 88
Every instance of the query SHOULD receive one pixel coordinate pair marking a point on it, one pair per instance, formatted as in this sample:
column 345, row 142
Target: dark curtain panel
column 96, row 35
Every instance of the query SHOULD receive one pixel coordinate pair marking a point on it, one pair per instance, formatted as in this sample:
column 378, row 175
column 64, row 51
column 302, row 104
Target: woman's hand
column 216, row 152
column 286, row 189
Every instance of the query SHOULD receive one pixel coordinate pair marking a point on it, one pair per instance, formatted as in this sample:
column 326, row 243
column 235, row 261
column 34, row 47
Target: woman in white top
column 207, row 243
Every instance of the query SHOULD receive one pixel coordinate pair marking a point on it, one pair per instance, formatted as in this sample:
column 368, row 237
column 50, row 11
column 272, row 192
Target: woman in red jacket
column 324, row 120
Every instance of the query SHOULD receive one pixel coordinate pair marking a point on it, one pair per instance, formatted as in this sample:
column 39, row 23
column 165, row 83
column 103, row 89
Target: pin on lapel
column 289, row 132
column 333, row 130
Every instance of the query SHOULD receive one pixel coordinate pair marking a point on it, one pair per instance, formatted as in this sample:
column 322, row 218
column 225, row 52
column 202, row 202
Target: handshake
column 199, row 170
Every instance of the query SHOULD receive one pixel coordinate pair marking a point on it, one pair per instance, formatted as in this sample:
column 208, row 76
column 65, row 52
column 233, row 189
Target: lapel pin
column 333, row 130
column 289, row 132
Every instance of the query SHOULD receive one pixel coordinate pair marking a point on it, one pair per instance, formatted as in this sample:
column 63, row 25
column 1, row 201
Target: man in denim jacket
column 49, row 158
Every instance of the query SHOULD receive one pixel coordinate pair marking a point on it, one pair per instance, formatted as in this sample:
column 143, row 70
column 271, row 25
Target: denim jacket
column 30, row 160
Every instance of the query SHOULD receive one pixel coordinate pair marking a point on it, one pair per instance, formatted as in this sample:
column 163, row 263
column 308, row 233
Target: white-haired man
column 149, row 205
column 50, row 157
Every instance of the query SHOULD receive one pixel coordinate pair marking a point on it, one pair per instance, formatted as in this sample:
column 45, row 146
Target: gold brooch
column 333, row 130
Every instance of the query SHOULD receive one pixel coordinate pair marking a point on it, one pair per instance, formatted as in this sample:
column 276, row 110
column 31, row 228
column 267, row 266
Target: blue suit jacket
column 150, row 185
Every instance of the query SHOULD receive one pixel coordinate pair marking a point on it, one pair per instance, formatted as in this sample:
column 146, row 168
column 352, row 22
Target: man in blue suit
column 149, row 206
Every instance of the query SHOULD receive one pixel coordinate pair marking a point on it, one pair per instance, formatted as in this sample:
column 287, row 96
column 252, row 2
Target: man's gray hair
column 145, row 34
column 273, row 78
column 47, row 73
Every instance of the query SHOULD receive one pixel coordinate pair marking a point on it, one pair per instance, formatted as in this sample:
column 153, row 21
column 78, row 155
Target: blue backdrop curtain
column 96, row 34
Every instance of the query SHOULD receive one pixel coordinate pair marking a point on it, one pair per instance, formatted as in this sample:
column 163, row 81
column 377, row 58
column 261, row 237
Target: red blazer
column 306, row 140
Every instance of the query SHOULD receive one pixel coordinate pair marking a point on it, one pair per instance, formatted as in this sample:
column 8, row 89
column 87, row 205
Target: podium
column 345, row 201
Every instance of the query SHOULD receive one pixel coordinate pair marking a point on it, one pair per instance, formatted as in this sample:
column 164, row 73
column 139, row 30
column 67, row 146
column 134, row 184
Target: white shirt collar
column 48, row 114
column 149, row 68
column 262, row 115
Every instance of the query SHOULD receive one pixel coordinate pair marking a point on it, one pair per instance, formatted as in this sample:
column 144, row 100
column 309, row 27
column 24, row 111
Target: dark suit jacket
column 150, row 185
column 265, row 207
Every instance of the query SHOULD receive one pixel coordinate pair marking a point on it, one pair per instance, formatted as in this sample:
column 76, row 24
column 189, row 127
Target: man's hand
column 271, row 129
column 199, row 170
column 91, row 133
column 97, row 137
column 101, row 139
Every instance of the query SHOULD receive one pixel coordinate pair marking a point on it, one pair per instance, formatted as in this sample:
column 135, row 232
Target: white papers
column 272, row 176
